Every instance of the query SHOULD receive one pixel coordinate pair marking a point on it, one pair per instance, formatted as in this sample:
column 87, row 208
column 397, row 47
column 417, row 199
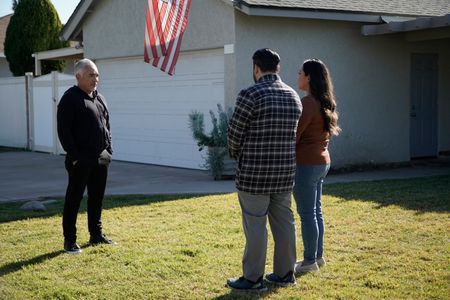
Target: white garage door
column 149, row 109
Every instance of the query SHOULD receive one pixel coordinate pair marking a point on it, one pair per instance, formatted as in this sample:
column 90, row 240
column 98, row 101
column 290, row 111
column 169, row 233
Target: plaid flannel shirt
column 261, row 136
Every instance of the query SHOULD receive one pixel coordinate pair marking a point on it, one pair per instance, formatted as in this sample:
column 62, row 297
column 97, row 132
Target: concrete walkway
column 32, row 175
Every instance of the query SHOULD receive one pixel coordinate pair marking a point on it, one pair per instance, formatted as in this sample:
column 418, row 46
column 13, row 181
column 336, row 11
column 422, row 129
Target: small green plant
column 216, row 140
column 218, row 135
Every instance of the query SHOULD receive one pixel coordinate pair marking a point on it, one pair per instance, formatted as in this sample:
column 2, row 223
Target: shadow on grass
column 234, row 294
column 429, row 194
column 11, row 211
column 16, row 266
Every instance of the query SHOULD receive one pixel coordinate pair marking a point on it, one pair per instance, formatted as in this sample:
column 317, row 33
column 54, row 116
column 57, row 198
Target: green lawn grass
column 384, row 240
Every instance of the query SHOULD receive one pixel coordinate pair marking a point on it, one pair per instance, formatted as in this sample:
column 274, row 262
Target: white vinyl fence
column 44, row 93
column 13, row 112
column 47, row 91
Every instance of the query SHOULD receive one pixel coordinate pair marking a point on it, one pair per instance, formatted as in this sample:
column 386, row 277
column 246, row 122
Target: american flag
column 165, row 23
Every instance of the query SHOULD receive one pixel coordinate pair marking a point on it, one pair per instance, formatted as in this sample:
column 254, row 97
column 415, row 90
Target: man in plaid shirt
column 261, row 137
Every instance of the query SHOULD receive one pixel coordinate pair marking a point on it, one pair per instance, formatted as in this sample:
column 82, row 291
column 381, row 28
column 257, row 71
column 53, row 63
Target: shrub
column 216, row 140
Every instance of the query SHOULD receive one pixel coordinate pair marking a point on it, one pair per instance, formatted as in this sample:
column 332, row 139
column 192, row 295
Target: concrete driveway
column 32, row 175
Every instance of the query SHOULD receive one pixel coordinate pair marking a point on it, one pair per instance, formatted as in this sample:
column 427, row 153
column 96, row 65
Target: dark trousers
column 81, row 175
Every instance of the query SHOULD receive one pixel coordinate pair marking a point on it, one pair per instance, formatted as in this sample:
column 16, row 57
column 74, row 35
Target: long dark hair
column 321, row 88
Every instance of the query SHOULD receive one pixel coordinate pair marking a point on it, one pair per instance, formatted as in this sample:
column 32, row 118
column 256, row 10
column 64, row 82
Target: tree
column 14, row 4
column 34, row 27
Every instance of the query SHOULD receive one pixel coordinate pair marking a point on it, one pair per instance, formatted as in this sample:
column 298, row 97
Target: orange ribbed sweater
column 312, row 139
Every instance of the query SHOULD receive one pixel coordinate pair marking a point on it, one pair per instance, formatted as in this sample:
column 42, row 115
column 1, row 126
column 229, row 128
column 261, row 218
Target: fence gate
column 46, row 91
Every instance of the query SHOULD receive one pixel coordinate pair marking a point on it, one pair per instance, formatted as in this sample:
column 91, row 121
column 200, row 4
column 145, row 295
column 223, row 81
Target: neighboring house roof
column 4, row 21
column 385, row 7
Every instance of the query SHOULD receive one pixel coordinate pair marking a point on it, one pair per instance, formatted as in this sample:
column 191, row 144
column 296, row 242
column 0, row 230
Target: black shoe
column 100, row 239
column 245, row 285
column 287, row 280
column 72, row 247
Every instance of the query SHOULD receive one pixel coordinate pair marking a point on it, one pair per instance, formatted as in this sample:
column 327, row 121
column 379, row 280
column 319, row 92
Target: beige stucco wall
column 370, row 77
column 116, row 28
column 371, row 74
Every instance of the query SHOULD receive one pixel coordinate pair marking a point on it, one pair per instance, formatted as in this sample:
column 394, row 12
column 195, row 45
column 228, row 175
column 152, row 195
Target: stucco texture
column 116, row 28
column 373, row 108
column 371, row 74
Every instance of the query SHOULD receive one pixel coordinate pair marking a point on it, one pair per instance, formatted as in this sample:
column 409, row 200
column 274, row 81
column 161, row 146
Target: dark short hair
column 266, row 59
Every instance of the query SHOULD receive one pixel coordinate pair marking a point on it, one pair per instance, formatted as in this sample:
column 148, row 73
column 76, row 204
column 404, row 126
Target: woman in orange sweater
column 317, row 124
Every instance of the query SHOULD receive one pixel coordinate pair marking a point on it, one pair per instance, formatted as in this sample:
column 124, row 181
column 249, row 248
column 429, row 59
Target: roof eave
column 72, row 30
column 407, row 26
column 59, row 54
column 318, row 14
column 307, row 14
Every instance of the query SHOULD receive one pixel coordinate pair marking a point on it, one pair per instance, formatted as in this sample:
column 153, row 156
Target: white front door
column 423, row 113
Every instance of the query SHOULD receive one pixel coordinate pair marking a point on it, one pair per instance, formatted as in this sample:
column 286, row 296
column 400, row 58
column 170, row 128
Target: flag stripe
column 180, row 37
column 174, row 39
column 171, row 21
column 168, row 30
column 155, row 21
column 165, row 14
column 149, row 51
column 150, row 35
column 176, row 9
column 146, row 56
column 166, row 22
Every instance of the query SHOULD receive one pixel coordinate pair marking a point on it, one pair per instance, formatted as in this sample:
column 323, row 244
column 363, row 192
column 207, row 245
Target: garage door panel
column 160, row 153
column 162, row 106
column 157, row 94
column 144, row 134
column 149, row 109
column 136, row 81
column 127, row 124
column 190, row 66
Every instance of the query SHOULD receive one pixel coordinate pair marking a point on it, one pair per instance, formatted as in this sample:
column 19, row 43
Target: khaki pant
column 255, row 209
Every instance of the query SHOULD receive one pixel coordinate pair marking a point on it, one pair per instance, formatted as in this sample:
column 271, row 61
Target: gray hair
column 83, row 64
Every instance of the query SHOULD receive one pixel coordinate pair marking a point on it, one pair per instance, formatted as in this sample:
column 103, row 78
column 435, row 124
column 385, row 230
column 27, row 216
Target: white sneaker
column 300, row 268
column 321, row 262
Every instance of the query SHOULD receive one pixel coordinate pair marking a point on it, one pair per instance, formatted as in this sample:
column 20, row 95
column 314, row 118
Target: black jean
column 81, row 175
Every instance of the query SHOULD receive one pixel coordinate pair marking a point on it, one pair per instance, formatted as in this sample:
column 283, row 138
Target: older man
column 261, row 136
column 84, row 132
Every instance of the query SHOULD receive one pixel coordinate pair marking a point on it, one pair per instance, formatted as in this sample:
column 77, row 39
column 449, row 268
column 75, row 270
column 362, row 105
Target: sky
column 64, row 8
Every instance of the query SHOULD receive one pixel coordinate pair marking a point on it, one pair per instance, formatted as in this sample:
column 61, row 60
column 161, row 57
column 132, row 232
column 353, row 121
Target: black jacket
column 83, row 125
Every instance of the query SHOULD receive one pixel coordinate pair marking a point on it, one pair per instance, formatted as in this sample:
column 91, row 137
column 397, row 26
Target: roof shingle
column 385, row 7
column 4, row 21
